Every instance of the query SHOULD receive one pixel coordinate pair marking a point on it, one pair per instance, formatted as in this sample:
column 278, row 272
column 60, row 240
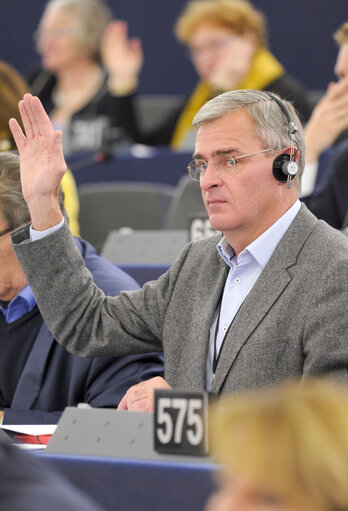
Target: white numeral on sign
column 181, row 405
column 164, row 418
column 188, row 410
column 195, row 435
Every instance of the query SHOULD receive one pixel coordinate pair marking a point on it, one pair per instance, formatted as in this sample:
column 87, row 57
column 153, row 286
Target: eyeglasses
column 224, row 162
column 211, row 47
column 57, row 33
column 9, row 229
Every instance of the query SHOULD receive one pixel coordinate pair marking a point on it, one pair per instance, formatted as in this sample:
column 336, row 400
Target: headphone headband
column 291, row 125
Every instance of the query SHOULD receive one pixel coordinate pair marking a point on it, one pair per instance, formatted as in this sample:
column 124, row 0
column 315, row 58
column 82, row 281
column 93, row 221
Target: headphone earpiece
column 284, row 168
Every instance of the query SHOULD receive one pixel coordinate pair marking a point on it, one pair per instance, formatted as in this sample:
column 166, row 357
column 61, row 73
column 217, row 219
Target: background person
column 38, row 378
column 284, row 448
column 264, row 303
column 12, row 88
column 227, row 43
column 328, row 124
column 328, row 128
column 28, row 484
column 91, row 103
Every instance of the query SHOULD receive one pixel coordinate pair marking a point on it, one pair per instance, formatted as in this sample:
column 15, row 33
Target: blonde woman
column 227, row 44
column 284, row 449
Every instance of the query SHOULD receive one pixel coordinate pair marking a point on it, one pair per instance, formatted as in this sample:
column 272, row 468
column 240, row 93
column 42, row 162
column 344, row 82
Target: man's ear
column 285, row 165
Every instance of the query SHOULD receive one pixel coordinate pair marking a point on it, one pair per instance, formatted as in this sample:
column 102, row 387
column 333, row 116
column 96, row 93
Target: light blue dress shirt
column 21, row 304
column 244, row 271
column 37, row 235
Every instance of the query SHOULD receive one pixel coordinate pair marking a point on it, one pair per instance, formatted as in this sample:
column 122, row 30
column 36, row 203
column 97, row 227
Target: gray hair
column 266, row 113
column 91, row 16
column 12, row 204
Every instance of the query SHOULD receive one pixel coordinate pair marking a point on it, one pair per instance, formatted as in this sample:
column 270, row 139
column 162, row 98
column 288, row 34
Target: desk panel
column 131, row 485
column 162, row 167
column 143, row 274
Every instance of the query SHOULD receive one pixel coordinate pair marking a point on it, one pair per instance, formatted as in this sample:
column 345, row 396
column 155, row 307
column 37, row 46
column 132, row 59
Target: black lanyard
column 217, row 355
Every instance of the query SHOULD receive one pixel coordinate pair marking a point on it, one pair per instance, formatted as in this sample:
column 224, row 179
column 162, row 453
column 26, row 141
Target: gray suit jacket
column 293, row 323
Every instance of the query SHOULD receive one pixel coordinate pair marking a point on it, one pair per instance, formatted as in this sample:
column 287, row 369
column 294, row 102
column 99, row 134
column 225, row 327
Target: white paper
column 31, row 447
column 31, row 429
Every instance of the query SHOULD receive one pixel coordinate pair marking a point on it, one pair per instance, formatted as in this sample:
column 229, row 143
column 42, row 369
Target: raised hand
column 328, row 120
column 122, row 56
column 41, row 160
column 233, row 63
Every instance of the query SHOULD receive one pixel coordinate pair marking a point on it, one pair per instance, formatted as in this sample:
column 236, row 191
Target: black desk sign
column 181, row 422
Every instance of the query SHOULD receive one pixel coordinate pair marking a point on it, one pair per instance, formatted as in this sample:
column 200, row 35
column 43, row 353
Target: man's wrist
column 38, row 235
column 122, row 86
column 45, row 213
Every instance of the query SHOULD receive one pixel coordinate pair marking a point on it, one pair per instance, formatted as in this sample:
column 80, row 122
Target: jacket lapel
column 269, row 286
column 210, row 286
column 30, row 382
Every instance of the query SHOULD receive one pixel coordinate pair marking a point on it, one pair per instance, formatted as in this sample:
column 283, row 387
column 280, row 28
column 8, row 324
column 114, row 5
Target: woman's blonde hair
column 239, row 16
column 291, row 440
column 341, row 34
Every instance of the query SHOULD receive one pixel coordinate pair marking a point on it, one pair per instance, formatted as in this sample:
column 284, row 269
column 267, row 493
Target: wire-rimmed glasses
column 225, row 162
column 9, row 229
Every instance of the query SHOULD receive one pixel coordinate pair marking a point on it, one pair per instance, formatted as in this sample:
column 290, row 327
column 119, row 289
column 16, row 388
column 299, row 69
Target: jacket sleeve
column 100, row 382
column 89, row 323
column 325, row 347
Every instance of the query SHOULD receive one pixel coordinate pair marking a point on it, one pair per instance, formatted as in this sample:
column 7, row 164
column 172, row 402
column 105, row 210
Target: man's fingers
column 26, row 120
column 143, row 405
column 140, row 404
column 17, row 133
column 137, row 399
column 122, row 405
column 29, row 108
column 141, row 397
column 43, row 123
column 56, row 150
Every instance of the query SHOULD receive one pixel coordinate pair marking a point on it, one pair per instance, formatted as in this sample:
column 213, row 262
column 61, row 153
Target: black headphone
column 285, row 167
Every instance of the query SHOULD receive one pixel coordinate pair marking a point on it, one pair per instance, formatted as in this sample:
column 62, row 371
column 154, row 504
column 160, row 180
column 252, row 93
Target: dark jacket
column 330, row 201
column 104, row 122
column 285, row 86
column 53, row 378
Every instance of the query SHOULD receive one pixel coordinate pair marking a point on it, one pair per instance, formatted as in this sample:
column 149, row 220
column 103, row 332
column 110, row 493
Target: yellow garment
column 71, row 201
column 264, row 70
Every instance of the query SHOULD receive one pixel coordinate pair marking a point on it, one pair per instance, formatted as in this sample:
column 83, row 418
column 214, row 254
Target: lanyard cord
column 216, row 355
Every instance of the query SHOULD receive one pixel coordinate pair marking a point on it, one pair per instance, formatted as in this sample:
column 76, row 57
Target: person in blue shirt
column 38, row 378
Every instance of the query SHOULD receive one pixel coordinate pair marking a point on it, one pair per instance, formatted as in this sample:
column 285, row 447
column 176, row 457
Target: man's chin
column 216, row 223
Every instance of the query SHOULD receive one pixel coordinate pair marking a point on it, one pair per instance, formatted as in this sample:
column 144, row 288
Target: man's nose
column 211, row 177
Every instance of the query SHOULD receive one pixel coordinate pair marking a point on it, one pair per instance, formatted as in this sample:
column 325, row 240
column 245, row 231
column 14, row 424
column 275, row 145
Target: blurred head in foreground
column 283, row 449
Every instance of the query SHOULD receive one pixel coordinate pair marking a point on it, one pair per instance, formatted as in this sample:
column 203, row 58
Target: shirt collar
column 20, row 305
column 263, row 247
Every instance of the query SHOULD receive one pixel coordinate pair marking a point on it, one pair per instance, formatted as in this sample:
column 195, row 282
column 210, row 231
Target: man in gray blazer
column 265, row 302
